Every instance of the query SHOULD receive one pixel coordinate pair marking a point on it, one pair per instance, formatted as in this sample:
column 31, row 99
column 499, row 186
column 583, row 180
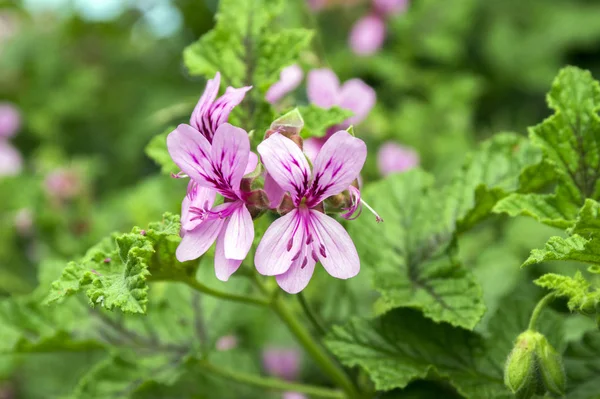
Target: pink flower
column 294, row 395
column 390, row 7
column 282, row 363
column 289, row 79
column 226, row 343
column 393, row 158
column 10, row 120
column 367, row 35
column 219, row 166
column 10, row 159
column 209, row 114
column 294, row 243
column 63, row 183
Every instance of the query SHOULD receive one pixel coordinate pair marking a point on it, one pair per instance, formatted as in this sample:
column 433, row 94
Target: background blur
column 95, row 80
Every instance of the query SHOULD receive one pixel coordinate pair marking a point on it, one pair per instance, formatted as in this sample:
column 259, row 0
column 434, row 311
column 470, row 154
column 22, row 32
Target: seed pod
column 551, row 368
column 520, row 375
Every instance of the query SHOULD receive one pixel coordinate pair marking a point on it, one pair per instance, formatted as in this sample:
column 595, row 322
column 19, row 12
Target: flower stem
column 198, row 286
column 310, row 315
column 538, row 310
column 271, row 383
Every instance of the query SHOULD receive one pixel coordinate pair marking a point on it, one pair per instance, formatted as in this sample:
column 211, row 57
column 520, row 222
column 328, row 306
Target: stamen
column 378, row 218
column 178, row 175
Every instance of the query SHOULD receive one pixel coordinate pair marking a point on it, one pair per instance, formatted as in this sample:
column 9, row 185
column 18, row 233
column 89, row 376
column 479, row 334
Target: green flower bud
column 520, row 374
column 551, row 368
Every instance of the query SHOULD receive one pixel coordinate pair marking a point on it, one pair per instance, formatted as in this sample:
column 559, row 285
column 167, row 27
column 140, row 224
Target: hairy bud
column 520, row 374
column 551, row 368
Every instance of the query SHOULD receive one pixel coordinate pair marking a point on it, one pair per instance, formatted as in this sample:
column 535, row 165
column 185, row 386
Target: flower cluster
column 217, row 158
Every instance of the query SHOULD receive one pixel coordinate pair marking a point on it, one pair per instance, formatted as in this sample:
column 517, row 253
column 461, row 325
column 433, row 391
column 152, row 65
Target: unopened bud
column 551, row 368
column 520, row 370
column 289, row 124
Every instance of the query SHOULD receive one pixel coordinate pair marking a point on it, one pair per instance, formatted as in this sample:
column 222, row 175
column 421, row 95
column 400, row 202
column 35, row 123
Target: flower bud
column 550, row 368
column 520, row 375
column 288, row 125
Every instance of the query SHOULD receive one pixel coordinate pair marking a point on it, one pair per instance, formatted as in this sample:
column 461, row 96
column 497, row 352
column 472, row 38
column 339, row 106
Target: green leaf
column 116, row 277
column 157, row 151
column 582, row 297
column 413, row 252
column 402, row 346
column 317, row 120
column 574, row 248
column 588, row 220
column 582, row 364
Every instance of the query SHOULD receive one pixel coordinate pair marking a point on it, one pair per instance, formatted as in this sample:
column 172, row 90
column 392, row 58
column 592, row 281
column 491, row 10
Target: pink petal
column 312, row 146
column 390, row 7
column 252, row 163
column 359, row 98
column 219, row 112
column 239, row 233
column 224, row 267
column 230, row 153
column 338, row 164
column 297, row 277
column 367, row 35
column 282, row 363
column 289, row 78
column 196, row 242
column 227, row 342
column 341, row 259
column 272, row 255
column 323, row 88
column 10, row 120
column 393, row 158
column 10, row 160
column 294, row 395
column 199, row 197
column 191, row 151
column 208, row 97
column 274, row 192
column 286, row 164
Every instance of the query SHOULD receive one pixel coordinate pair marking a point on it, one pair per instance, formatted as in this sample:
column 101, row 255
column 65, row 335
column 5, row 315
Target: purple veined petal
column 219, row 112
column 323, row 87
column 196, row 242
column 11, row 162
column 289, row 78
column 394, row 158
column 239, row 233
column 279, row 245
column 340, row 258
column 10, row 120
column 191, row 151
column 390, row 7
column 282, row 362
column 206, row 100
column 294, row 395
column 252, row 163
column 297, row 276
column 274, row 192
column 230, row 153
column 286, row 164
column 358, row 97
column 224, row 267
column 197, row 198
column 367, row 35
column 337, row 165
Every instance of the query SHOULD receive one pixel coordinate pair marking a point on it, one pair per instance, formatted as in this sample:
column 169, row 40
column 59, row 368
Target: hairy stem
column 198, row 286
column 271, row 383
column 538, row 310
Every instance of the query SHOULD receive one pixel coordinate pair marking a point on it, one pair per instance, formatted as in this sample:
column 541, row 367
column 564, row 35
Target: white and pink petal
column 239, row 232
column 224, row 267
column 196, row 242
column 279, row 245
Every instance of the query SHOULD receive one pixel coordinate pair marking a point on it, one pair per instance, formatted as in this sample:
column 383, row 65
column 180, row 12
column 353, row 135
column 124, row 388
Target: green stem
column 538, row 310
column 271, row 383
column 310, row 315
column 198, row 286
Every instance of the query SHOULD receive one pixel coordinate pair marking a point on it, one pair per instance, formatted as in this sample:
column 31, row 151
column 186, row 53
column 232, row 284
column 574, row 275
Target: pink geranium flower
column 219, row 166
column 394, row 158
column 289, row 79
column 294, row 243
column 11, row 162
column 10, row 120
column 283, row 363
column 367, row 35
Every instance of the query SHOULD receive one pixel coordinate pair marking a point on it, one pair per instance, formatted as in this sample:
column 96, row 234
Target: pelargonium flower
column 289, row 78
column 209, row 113
column 226, row 343
column 393, row 158
column 63, row 183
column 219, row 166
column 10, row 120
column 390, row 7
column 367, row 35
column 294, row 243
column 11, row 162
column 282, row 362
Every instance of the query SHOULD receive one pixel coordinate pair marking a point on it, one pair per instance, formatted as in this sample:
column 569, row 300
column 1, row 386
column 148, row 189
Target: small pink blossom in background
column 10, row 120
column 282, row 363
column 226, row 343
column 11, row 162
column 393, row 158
column 367, row 35
column 317, row 5
column 62, row 184
column 289, row 79
column 24, row 222
column 390, row 7
column 294, row 395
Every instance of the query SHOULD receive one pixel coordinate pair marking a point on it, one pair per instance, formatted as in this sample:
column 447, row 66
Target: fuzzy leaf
column 574, row 248
column 317, row 120
column 116, row 276
column 582, row 364
column 402, row 346
column 582, row 297
column 157, row 151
